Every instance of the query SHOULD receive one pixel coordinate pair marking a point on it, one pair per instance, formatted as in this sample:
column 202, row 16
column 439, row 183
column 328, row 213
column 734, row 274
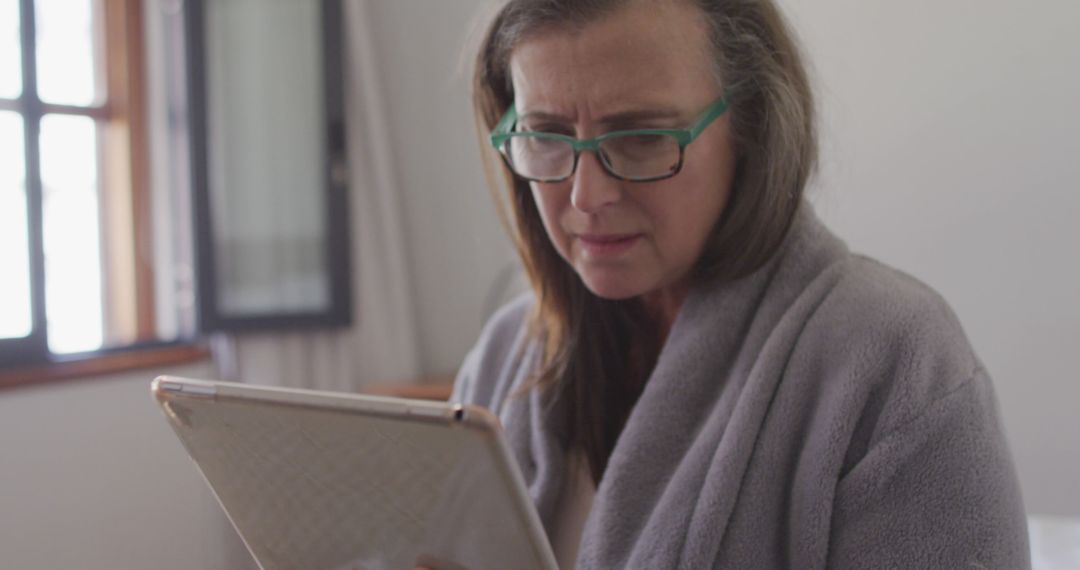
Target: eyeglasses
column 638, row 155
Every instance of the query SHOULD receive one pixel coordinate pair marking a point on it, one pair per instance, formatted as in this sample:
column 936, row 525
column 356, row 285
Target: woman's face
column 646, row 66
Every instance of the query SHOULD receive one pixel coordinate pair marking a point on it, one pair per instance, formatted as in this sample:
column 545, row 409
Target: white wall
column 456, row 246
column 92, row 477
column 950, row 150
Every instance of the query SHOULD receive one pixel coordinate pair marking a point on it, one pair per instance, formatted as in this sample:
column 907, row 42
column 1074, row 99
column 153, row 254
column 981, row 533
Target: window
column 168, row 168
column 77, row 238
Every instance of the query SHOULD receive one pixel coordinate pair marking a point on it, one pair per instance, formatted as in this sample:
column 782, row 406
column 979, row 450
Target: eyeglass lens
column 631, row 156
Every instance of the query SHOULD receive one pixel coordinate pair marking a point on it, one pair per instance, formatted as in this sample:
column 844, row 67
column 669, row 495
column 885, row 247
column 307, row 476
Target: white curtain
column 381, row 346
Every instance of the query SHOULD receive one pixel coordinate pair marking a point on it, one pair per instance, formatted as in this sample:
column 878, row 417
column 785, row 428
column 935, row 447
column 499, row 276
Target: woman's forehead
column 638, row 57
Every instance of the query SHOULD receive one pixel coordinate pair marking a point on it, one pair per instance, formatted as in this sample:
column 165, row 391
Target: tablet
column 343, row 481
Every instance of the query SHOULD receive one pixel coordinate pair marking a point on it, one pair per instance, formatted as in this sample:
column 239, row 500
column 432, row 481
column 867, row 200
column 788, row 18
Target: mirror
column 268, row 154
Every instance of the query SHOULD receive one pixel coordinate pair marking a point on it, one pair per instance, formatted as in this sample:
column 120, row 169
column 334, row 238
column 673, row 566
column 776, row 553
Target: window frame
column 28, row 360
column 34, row 347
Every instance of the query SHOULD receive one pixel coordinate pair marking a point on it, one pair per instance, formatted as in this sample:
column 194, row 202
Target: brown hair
column 599, row 353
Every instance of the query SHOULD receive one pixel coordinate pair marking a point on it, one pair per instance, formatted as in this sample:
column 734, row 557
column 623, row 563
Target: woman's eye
column 644, row 140
column 549, row 129
column 639, row 142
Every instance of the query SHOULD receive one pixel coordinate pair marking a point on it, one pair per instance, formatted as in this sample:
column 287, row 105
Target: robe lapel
column 677, row 468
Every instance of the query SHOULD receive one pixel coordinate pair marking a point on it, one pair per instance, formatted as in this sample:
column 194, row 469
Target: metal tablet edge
column 163, row 385
column 171, row 387
column 483, row 420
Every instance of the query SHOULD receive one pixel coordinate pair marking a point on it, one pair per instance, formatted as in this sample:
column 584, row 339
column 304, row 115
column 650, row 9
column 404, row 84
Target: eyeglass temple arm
column 503, row 127
column 709, row 115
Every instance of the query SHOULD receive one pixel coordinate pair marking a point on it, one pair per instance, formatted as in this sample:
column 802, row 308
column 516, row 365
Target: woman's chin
column 612, row 289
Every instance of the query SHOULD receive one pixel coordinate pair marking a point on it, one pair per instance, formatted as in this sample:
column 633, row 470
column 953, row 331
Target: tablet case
column 336, row 481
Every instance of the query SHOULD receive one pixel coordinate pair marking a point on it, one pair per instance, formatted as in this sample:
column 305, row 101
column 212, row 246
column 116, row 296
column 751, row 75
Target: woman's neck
column 663, row 307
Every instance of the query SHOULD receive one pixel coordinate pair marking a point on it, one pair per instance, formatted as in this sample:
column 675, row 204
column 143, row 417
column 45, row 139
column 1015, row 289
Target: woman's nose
column 593, row 187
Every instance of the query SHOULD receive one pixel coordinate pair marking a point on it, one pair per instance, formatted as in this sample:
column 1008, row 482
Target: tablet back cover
column 330, row 486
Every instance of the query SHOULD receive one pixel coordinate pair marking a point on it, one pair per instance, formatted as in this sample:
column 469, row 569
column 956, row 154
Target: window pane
column 10, row 50
column 15, row 315
column 267, row 156
column 73, row 288
column 65, row 51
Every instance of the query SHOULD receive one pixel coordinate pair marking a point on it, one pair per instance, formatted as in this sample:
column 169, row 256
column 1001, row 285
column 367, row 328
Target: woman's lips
column 607, row 245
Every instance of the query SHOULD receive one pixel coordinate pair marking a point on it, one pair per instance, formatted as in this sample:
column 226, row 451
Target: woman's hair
column 597, row 353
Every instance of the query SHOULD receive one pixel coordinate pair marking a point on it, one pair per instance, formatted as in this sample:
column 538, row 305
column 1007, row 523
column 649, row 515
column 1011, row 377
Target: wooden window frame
column 124, row 179
column 106, row 362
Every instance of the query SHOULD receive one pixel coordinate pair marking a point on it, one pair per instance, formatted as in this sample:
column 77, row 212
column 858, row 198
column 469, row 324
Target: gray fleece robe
column 824, row 412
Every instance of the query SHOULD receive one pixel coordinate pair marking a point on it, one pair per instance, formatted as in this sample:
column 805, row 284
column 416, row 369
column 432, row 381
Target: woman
column 703, row 376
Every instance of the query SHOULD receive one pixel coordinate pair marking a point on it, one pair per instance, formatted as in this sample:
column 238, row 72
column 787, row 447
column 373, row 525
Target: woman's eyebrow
column 620, row 118
column 541, row 116
column 630, row 117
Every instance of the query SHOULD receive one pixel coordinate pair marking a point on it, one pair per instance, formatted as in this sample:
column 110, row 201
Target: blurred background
column 290, row 192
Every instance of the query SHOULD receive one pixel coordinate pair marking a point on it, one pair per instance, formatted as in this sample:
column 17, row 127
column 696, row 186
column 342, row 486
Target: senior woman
column 703, row 376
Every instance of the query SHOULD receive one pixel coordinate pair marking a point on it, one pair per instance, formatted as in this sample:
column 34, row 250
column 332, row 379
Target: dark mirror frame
column 336, row 249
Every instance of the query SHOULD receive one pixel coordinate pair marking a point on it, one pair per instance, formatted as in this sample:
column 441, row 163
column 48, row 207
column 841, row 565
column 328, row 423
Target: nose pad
column 593, row 188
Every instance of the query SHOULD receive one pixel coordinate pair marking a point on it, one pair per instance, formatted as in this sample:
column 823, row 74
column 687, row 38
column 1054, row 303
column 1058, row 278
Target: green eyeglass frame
column 503, row 132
